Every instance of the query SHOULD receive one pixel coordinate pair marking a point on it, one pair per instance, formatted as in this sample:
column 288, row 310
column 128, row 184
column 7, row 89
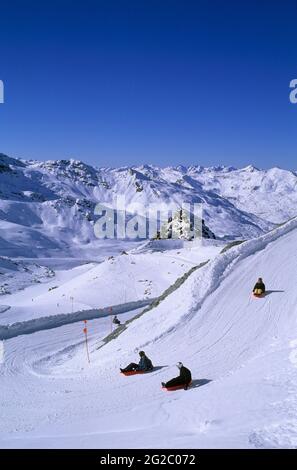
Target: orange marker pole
column 110, row 318
column 85, row 330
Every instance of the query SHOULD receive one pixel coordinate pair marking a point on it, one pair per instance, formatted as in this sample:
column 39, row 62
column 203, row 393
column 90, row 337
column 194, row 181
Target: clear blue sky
column 163, row 82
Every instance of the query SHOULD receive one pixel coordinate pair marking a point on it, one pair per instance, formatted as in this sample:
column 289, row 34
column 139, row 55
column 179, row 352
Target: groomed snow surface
column 242, row 353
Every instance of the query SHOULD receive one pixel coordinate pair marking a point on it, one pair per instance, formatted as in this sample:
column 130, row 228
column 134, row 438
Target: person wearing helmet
column 145, row 364
column 259, row 288
column 184, row 378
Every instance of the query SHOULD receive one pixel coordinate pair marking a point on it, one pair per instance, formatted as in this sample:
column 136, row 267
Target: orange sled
column 135, row 372
column 177, row 387
column 258, row 296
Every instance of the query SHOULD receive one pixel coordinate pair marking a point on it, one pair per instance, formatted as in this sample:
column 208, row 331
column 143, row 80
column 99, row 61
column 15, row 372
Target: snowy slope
column 240, row 350
column 48, row 207
column 143, row 273
column 191, row 297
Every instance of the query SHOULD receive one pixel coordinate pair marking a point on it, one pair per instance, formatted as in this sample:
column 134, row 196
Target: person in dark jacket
column 145, row 364
column 116, row 321
column 184, row 378
column 259, row 288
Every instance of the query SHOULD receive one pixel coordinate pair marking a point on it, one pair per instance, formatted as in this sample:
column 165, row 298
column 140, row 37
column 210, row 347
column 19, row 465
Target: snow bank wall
column 55, row 321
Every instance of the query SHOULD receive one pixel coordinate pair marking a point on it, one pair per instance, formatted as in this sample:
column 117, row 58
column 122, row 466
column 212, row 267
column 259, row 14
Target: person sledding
column 116, row 321
column 183, row 380
column 144, row 365
column 259, row 288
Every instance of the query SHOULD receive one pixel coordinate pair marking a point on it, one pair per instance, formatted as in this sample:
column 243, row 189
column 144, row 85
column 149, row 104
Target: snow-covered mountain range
column 49, row 206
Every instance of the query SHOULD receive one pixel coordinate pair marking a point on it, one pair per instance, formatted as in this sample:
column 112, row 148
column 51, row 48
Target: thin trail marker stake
column 85, row 330
column 110, row 318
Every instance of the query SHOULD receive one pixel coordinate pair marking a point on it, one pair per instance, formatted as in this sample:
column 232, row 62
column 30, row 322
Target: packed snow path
column 55, row 321
column 241, row 352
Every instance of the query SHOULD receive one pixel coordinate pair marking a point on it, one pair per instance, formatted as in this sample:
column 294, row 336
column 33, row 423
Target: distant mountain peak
column 6, row 160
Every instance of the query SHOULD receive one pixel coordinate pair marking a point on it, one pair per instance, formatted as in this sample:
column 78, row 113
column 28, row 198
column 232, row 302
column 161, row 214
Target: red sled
column 135, row 372
column 258, row 296
column 177, row 387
